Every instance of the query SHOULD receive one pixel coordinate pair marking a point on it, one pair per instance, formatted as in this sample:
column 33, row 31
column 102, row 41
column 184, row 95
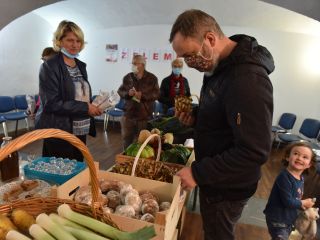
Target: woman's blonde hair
column 62, row 30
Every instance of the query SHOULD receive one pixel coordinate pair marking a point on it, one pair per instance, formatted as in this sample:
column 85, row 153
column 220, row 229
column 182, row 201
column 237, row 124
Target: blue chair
column 21, row 103
column 115, row 112
column 3, row 121
column 316, row 144
column 9, row 111
column 308, row 131
column 170, row 112
column 158, row 109
column 286, row 123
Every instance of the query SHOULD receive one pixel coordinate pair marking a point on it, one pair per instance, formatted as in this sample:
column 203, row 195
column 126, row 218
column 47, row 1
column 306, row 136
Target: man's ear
column 212, row 38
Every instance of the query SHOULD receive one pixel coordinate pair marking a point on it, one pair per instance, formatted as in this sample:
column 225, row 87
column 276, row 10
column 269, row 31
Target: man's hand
column 187, row 180
column 138, row 95
column 185, row 118
column 132, row 92
column 94, row 110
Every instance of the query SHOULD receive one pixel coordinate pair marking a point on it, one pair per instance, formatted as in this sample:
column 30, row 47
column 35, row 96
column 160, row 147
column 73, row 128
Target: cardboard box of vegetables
column 159, row 159
column 165, row 222
column 29, row 218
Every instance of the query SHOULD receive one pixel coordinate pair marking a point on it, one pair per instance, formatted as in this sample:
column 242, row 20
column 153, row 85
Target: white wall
column 21, row 45
column 296, row 83
column 104, row 75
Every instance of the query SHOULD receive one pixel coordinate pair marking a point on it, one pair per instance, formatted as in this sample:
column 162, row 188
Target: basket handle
column 35, row 135
column 135, row 162
column 196, row 96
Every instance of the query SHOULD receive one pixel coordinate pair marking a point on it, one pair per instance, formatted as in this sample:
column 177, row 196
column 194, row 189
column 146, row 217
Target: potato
column 155, row 131
column 22, row 220
column 168, row 138
column 143, row 135
column 5, row 226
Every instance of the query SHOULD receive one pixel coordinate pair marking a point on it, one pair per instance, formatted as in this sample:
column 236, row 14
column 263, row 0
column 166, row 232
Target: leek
column 39, row 233
column 145, row 233
column 84, row 234
column 15, row 235
column 54, row 229
column 65, row 222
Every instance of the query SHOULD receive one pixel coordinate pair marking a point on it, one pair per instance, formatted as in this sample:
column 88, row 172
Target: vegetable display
column 177, row 154
column 132, row 150
column 172, row 157
column 68, row 225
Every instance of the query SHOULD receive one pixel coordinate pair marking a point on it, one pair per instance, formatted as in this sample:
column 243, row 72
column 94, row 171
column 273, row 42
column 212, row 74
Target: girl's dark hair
column 289, row 148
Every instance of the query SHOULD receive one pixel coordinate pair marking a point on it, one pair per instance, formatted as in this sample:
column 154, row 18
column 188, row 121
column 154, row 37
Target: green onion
column 65, row 222
column 84, row 234
column 39, row 233
column 145, row 233
column 54, row 229
column 15, row 235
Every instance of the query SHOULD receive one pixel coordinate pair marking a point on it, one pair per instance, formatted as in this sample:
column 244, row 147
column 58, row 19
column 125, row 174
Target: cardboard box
column 165, row 222
column 175, row 235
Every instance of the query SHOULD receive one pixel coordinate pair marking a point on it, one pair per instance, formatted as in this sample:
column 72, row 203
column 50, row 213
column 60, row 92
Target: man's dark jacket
column 57, row 94
column 233, row 127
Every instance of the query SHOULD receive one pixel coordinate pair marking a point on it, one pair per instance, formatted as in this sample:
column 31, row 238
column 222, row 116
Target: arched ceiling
column 121, row 13
column 12, row 9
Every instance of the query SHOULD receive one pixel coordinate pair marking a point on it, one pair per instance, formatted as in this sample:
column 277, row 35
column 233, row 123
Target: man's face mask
column 134, row 68
column 200, row 62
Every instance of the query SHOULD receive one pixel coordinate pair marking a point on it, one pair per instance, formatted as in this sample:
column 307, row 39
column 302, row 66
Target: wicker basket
column 147, row 168
column 35, row 206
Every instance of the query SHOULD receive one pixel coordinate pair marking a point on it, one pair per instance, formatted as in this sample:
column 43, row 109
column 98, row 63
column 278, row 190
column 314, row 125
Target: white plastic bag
column 106, row 100
column 31, row 103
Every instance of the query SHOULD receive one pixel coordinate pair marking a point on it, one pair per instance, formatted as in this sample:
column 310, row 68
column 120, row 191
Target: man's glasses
column 193, row 57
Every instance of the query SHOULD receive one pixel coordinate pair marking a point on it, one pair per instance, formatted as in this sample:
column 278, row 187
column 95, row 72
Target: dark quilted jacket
column 57, row 94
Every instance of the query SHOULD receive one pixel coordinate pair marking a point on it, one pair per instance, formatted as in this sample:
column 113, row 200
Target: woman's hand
column 94, row 110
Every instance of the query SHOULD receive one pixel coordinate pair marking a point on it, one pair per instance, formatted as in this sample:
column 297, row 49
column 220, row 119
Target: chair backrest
column 20, row 102
column 93, row 97
column 158, row 108
column 2, row 119
column 120, row 104
column 287, row 120
column 6, row 104
column 310, row 128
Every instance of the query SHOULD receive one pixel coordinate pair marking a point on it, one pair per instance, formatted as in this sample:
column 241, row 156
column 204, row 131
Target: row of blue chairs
column 13, row 109
column 118, row 110
column 309, row 130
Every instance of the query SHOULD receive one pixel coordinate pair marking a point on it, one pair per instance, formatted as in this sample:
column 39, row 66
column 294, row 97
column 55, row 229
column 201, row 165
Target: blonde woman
column 65, row 93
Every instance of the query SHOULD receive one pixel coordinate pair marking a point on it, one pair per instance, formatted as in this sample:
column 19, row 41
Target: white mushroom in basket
column 125, row 210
